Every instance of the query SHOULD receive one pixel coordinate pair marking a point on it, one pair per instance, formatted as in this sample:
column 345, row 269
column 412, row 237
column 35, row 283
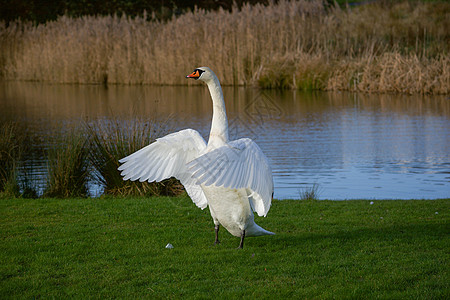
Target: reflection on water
column 351, row 145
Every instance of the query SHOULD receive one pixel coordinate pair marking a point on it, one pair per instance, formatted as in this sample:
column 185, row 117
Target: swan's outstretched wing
column 167, row 157
column 240, row 164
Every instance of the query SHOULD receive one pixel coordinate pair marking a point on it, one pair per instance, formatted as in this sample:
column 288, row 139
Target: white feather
column 244, row 162
column 167, row 157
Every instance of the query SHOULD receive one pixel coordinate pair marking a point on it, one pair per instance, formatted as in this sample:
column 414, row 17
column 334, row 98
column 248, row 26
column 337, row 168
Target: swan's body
column 233, row 178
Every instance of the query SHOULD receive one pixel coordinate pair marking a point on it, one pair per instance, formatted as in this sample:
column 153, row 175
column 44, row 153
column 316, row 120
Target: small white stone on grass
column 169, row 246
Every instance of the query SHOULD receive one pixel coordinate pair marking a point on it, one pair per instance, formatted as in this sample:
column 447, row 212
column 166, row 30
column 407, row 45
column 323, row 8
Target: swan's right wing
column 239, row 164
column 167, row 157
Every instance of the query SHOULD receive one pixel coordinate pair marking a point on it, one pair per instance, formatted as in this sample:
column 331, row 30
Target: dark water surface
column 349, row 146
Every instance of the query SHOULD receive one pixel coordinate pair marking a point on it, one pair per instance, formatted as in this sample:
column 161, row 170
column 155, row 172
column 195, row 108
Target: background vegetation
column 85, row 154
column 12, row 144
column 39, row 11
column 68, row 168
column 115, row 248
column 110, row 141
column 378, row 47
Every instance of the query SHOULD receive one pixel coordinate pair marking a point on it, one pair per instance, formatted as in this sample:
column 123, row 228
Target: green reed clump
column 12, row 145
column 279, row 74
column 68, row 171
column 304, row 72
column 111, row 140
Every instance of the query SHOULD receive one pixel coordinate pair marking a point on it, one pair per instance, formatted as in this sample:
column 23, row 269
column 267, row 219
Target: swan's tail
column 256, row 230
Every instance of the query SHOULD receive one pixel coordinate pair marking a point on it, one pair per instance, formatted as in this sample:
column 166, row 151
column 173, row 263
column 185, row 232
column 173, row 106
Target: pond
column 344, row 145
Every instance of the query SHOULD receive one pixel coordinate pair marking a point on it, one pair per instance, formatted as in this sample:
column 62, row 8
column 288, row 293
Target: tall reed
column 11, row 150
column 68, row 170
column 396, row 47
column 111, row 140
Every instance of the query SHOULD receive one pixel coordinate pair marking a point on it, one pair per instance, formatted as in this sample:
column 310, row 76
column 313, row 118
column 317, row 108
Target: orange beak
column 195, row 75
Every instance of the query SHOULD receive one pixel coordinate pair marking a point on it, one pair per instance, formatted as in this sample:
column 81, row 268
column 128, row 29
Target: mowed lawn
column 115, row 248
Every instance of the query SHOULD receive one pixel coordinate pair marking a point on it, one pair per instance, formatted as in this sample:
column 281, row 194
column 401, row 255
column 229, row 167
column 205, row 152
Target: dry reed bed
column 293, row 44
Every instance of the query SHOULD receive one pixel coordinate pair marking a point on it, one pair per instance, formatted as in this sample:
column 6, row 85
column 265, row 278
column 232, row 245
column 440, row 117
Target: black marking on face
column 196, row 74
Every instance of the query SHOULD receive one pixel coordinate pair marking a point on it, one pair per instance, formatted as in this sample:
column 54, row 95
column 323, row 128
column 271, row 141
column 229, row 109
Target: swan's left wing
column 167, row 157
column 239, row 164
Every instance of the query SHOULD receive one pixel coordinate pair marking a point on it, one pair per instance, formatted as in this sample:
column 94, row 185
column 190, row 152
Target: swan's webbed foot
column 216, row 229
column 241, row 244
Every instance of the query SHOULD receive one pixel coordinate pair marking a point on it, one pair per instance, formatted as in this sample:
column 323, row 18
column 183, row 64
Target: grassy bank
column 398, row 47
column 115, row 248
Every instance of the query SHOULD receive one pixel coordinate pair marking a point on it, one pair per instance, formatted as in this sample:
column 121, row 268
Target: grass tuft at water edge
column 112, row 140
column 68, row 169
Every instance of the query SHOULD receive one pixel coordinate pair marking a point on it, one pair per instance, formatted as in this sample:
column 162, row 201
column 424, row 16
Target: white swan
column 231, row 177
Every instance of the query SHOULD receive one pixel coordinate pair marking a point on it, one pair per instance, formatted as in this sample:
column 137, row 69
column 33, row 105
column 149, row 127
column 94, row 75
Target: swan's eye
column 196, row 74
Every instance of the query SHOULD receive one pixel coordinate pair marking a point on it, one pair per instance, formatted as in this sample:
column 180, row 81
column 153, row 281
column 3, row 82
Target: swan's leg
column 216, row 225
column 216, row 229
column 241, row 244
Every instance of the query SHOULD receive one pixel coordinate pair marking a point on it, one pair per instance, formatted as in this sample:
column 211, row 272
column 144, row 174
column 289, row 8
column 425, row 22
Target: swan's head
column 203, row 73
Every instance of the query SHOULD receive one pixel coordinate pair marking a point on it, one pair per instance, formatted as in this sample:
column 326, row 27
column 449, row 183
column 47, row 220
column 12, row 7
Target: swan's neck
column 219, row 127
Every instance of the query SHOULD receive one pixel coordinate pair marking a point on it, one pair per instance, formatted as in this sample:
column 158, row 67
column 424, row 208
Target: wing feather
column 239, row 164
column 168, row 157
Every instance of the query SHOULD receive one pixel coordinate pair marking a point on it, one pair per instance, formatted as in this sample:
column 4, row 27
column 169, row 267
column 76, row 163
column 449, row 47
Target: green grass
column 115, row 248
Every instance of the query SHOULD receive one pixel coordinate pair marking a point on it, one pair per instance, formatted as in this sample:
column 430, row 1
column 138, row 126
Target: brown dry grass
column 401, row 47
